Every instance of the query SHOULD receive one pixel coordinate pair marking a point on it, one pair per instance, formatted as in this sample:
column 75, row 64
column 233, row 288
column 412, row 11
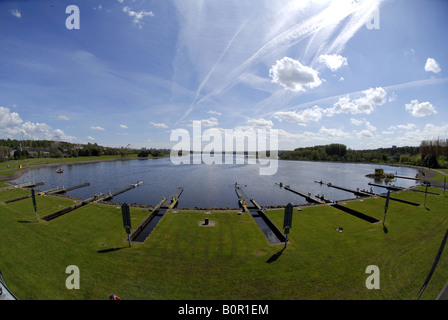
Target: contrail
column 198, row 91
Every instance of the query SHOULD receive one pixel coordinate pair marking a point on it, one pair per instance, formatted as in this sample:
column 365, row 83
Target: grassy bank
column 441, row 177
column 232, row 260
column 12, row 167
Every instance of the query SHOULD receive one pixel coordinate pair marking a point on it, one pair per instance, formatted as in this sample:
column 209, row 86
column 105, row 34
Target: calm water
column 212, row 186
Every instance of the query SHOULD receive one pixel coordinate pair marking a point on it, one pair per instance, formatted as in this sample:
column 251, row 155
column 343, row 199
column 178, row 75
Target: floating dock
column 80, row 204
column 25, row 185
column 372, row 194
column 50, row 192
column 410, row 178
column 357, row 192
column 335, row 205
column 270, row 230
column 111, row 195
column 243, row 200
column 396, row 188
column 308, row 197
column 393, row 188
column 150, row 222
column 95, row 198
column 173, row 200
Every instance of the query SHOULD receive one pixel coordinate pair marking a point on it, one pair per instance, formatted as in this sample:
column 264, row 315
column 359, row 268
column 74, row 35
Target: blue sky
column 364, row 73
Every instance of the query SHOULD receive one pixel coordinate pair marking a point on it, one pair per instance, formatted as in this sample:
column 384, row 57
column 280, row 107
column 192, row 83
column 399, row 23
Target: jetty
column 273, row 234
column 410, row 178
column 141, row 232
column 394, row 188
column 310, row 198
column 357, row 192
column 335, row 205
column 56, row 190
column 95, row 198
column 25, row 185
column 150, row 222
column 111, row 195
column 172, row 201
column 243, row 200
column 80, row 204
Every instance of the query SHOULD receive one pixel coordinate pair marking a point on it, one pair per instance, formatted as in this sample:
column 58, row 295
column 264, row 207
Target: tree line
column 22, row 149
column 430, row 153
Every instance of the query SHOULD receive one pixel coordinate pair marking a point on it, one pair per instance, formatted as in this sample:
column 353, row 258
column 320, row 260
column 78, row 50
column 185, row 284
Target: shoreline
column 20, row 172
column 148, row 207
column 427, row 176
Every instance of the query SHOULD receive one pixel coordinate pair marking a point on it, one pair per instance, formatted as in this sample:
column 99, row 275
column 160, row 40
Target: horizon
column 222, row 151
column 368, row 74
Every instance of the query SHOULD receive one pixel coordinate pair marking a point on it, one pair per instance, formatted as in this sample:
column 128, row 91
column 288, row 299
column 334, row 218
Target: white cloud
column 292, row 75
column 409, row 126
column 12, row 125
column 375, row 96
column 364, row 104
column 123, row 126
column 211, row 122
column 363, row 122
column 159, row 125
column 90, row 138
column 254, row 124
column 9, row 119
column 307, row 115
column 422, row 109
column 356, row 122
column 333, row 133
column 63, row 117
column 365, row 134
column 214, row 112
column 138, row 16
column 428, row 132
column 432, row 66
column 98, row 128
column 260, row 123
column 334, row 61
column 31, row 128
column 16, row 13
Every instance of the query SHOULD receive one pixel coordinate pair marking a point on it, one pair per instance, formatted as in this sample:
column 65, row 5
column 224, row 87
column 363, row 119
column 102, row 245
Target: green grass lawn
column 232, row 260
column 441, row 177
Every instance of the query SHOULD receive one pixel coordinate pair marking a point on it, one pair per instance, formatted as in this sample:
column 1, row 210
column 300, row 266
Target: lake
column 212, row 186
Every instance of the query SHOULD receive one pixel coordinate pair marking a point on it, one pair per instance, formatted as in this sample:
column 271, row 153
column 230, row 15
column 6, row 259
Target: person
column 114, row 297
